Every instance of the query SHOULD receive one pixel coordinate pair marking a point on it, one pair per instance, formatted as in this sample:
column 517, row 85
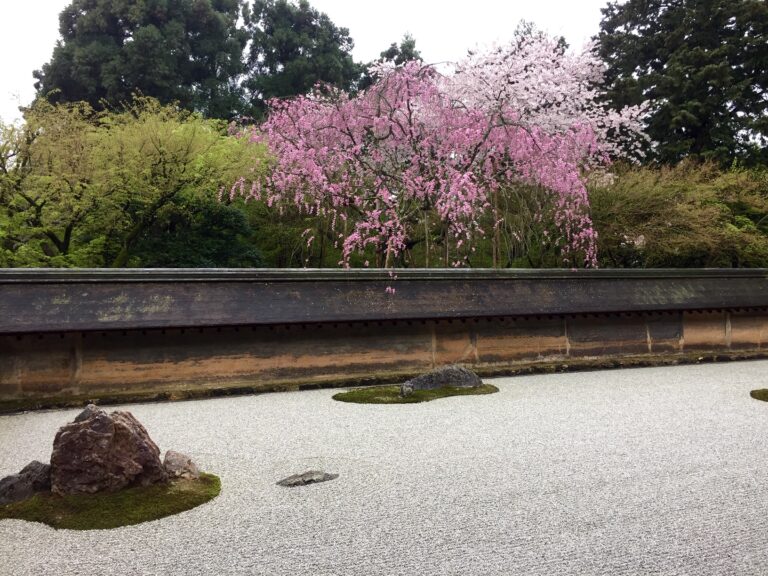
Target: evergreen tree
column 293, row 47
column 397, row 54
column 187, row 51
column 402, row 53
column 702, row 66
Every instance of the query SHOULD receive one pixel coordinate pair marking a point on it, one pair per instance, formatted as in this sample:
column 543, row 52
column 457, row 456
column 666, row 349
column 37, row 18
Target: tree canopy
column 403, row 52
column 419, row 159
column 397, row 54
column 173, row 50
column 702, row 67
column 82, row 188
column 292, row 48
column 193, row 52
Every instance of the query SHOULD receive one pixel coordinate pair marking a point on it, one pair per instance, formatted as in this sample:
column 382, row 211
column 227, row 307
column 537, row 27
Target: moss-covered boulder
column 443, row 377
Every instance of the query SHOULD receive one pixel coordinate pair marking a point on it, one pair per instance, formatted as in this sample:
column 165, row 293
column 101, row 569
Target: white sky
column 443, row 30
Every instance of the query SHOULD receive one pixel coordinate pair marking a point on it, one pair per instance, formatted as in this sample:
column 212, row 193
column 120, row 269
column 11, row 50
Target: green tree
column 186, row 51
column 292, row 48
column 153, row 157
column 81, row 188
column 682, row 216
column 402, row 53
column 397, row 54
column 46, row 184
column 198, row 233
column 702, row 66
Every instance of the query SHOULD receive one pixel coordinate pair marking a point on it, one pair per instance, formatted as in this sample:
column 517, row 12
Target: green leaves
column 81, row 188
column 193, row 53
column 175, row 51
column 701, row 63
column 293, row 47
column 690, row 215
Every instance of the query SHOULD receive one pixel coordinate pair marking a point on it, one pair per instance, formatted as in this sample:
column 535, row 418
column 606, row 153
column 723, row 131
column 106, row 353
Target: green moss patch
column 760, row 394
column 115, row 509
column 391, row 394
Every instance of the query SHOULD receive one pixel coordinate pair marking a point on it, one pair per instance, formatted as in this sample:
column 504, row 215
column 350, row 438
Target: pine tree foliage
column 703, row 67
column 292, row 47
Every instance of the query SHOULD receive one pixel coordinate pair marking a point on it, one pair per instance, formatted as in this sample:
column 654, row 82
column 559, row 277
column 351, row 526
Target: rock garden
column 105, row 471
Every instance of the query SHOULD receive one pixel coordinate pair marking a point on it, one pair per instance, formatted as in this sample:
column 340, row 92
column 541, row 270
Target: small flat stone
column 308, row 477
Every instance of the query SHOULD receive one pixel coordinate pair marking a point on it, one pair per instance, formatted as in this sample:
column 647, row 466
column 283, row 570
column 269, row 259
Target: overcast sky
column 444, row 30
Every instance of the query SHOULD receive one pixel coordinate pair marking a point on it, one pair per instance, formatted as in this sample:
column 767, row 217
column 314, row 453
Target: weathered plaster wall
column 180, row 361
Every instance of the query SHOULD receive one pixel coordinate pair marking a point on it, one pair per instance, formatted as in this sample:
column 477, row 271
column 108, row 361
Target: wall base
column 69, row 369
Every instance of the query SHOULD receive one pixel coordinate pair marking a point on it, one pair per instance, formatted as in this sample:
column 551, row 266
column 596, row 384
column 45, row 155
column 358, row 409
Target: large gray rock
column 102, row 452
column 179, row 465
column 34, row 477
column 454, row 376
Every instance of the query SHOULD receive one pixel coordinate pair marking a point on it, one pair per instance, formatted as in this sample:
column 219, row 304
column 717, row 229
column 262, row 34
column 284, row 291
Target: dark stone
column 309, row 477
column 34, row 477
column 104, row 452
column 89, row 411
column 454, row 376
column 179, row 465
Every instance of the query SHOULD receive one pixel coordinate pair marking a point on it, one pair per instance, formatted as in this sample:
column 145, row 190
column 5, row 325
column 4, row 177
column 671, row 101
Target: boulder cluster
column 98, row 452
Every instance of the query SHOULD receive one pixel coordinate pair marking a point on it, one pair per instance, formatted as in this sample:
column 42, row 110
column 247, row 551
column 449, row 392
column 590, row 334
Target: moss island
column 391, row 394
column 114, row 509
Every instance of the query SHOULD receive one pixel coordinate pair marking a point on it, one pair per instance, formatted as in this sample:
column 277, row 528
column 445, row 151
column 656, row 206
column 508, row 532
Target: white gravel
column 647, row 471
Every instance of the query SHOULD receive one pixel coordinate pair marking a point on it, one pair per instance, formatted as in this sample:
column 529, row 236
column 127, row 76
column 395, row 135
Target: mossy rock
column 761, row 394
column 114, row 509
column 391, row 394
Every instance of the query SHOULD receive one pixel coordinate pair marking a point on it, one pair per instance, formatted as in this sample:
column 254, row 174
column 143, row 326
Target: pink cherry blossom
column 416, row 156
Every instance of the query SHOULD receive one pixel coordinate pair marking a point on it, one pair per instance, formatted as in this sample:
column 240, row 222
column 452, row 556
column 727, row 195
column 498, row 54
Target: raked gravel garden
column 643, row 471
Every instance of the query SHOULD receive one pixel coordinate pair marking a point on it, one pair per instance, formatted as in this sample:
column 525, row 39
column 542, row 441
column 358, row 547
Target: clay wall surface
column 41, row 367
column 134, row 363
